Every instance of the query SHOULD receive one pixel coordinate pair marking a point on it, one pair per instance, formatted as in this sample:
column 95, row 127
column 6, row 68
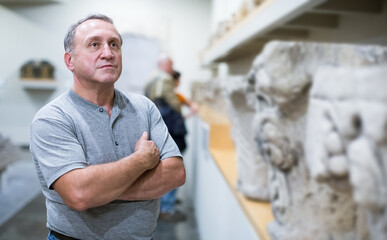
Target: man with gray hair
column 103, row 158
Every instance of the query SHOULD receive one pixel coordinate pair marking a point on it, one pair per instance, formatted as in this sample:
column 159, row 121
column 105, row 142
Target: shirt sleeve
column 54, row 147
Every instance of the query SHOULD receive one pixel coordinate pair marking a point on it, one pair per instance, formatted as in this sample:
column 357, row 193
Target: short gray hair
column 69, row 38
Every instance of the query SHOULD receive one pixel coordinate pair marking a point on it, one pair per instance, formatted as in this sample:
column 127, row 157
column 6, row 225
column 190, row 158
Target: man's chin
column 109, row 79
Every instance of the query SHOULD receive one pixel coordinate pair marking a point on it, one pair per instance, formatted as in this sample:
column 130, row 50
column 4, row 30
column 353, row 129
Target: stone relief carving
column 352, row 150
column 252, row 171
column 227, row 96
column 280, row 79
column 211, row 94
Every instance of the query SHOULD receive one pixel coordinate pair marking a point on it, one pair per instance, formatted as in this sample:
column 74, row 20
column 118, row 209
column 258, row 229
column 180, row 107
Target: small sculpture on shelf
column 245, row 8
column 37, row 70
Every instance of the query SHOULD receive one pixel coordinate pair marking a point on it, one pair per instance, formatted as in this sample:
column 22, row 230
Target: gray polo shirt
column 70, row 133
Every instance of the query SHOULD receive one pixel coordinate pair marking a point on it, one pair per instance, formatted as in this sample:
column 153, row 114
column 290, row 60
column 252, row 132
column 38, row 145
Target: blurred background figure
column 161, row 90
column 184, row 101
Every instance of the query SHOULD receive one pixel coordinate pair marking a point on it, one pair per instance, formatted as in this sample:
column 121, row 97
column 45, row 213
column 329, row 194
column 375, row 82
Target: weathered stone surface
column 8, row 154
column 211, row 94
column 252, row 171
column 352, row 104
column 228, row 97
column 280, row 79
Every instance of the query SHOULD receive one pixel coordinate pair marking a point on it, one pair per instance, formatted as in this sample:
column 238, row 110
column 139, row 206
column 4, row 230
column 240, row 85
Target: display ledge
column 222, row 150
column 41, row 84
column 27, row 2
column 300, row 20
column 266, row 17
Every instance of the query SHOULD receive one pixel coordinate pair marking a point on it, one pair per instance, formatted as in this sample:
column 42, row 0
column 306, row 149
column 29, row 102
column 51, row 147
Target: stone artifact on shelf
column 252, row 171
column 346, row 138
column 37, row 70
column 211, row 94
column 312, row 197
column 223, row 28
column 241, row 13
column 227, row 97
column 246, row 7
column 229, row 23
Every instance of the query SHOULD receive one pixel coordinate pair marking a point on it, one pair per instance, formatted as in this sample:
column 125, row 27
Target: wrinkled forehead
column 95, row 28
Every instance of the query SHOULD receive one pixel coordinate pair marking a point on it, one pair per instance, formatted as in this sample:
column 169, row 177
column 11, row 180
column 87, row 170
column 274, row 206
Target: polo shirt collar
column 118, row 104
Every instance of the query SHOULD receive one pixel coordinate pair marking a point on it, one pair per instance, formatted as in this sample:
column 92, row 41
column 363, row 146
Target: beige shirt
column 164, row 87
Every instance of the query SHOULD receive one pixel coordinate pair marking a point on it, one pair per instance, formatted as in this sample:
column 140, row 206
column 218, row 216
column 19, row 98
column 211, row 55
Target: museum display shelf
column 26, row 2
column 290, row 20
column 41, row 84
column 222, row 151
column 269, row 15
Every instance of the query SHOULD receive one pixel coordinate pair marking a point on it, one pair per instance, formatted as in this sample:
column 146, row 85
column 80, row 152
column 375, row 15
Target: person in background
column 103, row 158
column 184, row 101
column 161, row 89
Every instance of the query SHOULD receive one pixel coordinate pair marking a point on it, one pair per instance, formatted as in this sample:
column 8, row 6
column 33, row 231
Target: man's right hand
column 148, row 151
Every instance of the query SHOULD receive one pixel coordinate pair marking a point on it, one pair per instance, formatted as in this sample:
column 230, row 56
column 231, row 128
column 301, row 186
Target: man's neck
column 102, row 96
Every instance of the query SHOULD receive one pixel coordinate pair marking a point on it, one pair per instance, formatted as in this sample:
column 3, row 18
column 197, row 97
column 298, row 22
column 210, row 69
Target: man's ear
column 68, row 58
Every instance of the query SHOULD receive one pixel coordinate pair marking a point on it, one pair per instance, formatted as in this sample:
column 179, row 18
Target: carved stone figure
column 211, row 94
column 252, row 171
column 280, row 79
column 228, row 98
column 347, row 139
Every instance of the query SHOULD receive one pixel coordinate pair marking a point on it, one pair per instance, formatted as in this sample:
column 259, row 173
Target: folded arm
column 97, row 185
column 154, row 183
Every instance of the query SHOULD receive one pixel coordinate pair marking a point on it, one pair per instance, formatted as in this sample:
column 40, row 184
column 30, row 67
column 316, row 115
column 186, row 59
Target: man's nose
column 106, row 51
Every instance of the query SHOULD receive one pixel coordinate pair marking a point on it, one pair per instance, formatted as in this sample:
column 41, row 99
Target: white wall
column 21, row 41
column 37, row 32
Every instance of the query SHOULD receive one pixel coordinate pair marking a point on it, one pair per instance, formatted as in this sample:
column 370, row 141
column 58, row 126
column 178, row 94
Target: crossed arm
column 139, row 176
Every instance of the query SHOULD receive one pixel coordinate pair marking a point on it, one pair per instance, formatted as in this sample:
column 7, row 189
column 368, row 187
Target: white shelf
column 44, row 84
column 27, row 2
column 268, row 16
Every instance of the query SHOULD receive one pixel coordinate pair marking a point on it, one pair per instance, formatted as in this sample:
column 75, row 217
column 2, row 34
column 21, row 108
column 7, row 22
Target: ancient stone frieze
column 227, row 96
column 280, row 79
column 252, row 171
column 347, row 139
column 211, row 94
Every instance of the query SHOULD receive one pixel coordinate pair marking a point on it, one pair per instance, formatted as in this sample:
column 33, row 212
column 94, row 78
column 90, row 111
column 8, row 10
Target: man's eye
column 113, row 44
column 94, row 44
